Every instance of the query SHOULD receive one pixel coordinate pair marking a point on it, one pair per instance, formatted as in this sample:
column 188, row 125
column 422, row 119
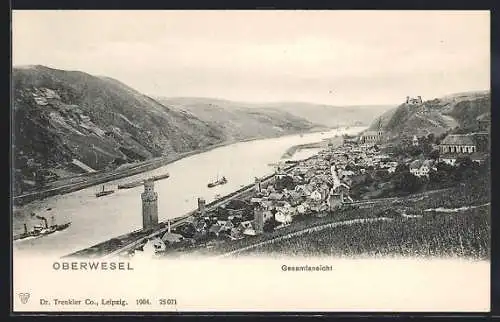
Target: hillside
column 237, row 120
column 68, row 121
column 243, row 114
column 439, row 115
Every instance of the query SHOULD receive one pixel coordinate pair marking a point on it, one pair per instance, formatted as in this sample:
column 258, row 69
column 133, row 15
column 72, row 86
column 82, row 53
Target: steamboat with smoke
column 42, row 229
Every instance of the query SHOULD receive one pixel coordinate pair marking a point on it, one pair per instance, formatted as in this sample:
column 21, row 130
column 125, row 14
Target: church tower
column 149, row 205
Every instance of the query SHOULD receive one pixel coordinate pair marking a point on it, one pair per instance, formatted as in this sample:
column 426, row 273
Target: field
column 461, row 234
column 410, row 227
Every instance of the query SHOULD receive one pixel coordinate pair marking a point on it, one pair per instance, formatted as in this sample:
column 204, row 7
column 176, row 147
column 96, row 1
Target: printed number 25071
column 168, row 301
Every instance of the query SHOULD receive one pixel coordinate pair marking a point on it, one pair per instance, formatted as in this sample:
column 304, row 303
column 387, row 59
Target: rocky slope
column 67, row 121
column 437, row 116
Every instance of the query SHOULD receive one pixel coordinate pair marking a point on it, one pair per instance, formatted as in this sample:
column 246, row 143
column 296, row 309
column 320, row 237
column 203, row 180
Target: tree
column 270, row 224
column 39, row 179
column 431, row 138
column 285, row 182
column 412, row 183
column 382, row 174
column 414, row 151
column 466, row 169
column 402, row 167
column 434, row 154
column 465, row 162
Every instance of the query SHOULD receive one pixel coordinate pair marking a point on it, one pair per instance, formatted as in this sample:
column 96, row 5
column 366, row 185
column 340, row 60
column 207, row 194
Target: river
column 97, row 219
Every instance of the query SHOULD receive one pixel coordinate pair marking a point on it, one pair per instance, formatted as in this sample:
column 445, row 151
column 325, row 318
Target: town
column 347, row 172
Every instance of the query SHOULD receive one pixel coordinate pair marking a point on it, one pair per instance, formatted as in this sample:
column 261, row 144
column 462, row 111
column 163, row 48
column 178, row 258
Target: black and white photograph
column 341, row 158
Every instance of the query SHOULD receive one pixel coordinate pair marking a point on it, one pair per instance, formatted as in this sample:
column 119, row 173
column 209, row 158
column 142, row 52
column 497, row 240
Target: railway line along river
column 94, row 220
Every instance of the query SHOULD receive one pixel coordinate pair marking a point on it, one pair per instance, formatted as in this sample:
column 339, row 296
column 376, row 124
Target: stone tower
column 149, row 205
column 258, row 214
column 257, row 186
column 201, row 206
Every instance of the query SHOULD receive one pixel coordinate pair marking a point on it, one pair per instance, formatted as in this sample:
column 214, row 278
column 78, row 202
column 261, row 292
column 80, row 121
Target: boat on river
column 217, row 182
column 137, row 183
column 103, row 192
column 41, row 229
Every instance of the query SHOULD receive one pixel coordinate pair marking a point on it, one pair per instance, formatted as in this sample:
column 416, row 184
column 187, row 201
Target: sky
column 328, row 57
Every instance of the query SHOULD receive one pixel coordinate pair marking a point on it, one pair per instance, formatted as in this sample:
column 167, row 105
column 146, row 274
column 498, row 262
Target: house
column 318, row 206
column 426, row 167
column 302, row 208
column 246, row 228
column 276, row 196
column 303, row 190
column 459, row 143
column 295, row 198
column 316, row 195
column 256, row 200
column 415, row 167
column 421, row 168
column 473, row 145
column 150, row 248
column 225, row 224
column 451, row 159
column 371, row 137
column 200, row 225
column 415, row 140
column 484, row 122
column 235, row 234
column 215, row 230
column 171, row 238
column 155, row 243
column 346, row 173
column 283, row 217
column 268, row 215
column 413, row 100
column 448, row 158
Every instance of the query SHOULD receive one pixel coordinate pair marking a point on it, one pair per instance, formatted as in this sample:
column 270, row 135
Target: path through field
column 441, row 209
column 304, row 231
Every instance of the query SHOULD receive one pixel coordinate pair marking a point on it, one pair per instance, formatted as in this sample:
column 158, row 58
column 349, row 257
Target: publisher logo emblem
column 24, row 297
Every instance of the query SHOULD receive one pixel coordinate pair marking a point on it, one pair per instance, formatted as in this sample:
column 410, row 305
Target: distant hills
column 69, row 122
column 330, row 115
column 237, row 113
column 61, row 116
column 458, row 112
column 239, row 121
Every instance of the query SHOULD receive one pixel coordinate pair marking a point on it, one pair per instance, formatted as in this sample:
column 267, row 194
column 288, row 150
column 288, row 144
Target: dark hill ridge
column 64, row 115
column 436, row 116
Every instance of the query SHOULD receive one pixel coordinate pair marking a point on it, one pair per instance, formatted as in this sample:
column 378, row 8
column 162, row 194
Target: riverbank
column 97, row 219
column 315, row 145
column 126, row 242
column 88, row 180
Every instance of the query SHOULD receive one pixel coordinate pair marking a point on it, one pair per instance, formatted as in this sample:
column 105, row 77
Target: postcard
column 250, row 161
